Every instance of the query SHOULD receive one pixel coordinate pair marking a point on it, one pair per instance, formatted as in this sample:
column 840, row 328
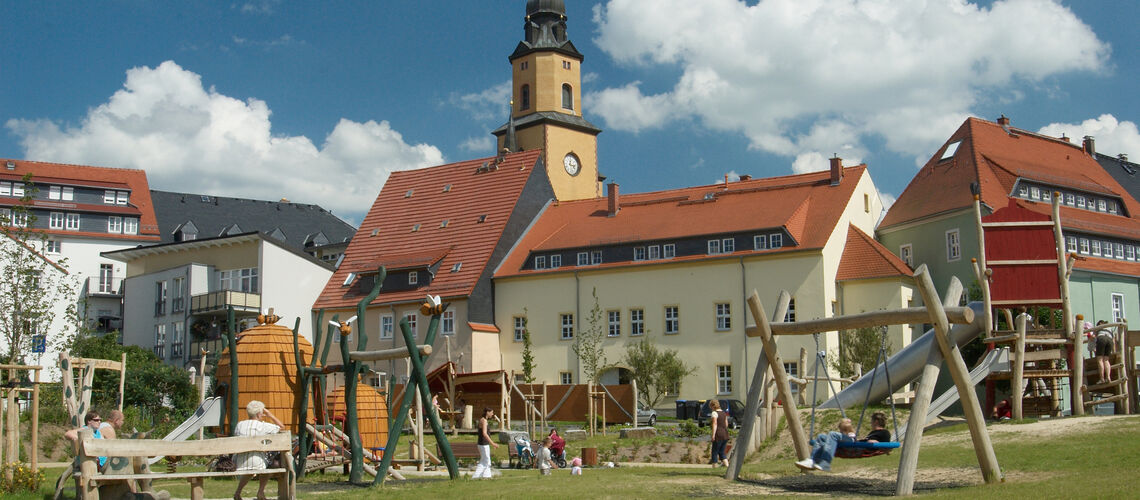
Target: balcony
column 214, row 302
column 104, row 286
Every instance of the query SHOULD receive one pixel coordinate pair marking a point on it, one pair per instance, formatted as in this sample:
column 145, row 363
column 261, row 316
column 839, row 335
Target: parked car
column 734, row 407
column 646, row 416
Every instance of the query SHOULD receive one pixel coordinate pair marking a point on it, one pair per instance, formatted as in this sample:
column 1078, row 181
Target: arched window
column 524, row 97
column 567, row 96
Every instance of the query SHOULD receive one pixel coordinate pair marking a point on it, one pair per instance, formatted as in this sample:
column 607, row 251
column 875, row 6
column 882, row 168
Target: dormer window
column 413, row 278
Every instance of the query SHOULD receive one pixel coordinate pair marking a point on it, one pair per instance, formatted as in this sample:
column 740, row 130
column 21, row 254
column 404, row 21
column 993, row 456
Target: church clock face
column 571, row 164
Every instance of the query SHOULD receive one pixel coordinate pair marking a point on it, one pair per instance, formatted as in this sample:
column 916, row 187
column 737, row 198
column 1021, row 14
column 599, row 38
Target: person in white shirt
column 254, row 460
column 544, row 461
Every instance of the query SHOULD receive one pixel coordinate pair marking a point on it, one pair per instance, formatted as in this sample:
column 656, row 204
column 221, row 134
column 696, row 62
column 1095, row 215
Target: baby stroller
column 526, row 456
column 558, row 453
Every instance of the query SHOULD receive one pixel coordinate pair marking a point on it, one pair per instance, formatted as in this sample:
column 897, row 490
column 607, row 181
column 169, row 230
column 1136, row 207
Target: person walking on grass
column 719, row 419
column 483, row 469
column 545, row 463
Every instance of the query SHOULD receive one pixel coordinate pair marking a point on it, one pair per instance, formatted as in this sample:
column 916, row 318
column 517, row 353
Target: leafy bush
column 23, row 478
column 689, row 428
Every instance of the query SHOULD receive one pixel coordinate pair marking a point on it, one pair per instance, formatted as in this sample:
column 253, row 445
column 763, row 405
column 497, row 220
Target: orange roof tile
column 865, row 258
column 82, row 175
column 806, row 205
column 987, row 154
column 406, row 226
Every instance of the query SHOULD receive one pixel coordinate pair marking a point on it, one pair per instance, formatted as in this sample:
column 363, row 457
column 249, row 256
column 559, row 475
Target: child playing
column 544, row 461
column 576, row 466
column 824, row 450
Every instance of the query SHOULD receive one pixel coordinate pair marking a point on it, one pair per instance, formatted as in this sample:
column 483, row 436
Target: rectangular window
column 1080, row 202
column 68, row 194
column 160, row 298
column 539, row 261
column 109, row 197
column 1096, row 247
column 1119, row 250
column 583, row 258
column 639, row 253
column 122, row 197
column 72, row 223
column 728, row 245
column 1070, row 199
column 18, row 189
column 159, row 335
column 567, row 322
column 1071, row 244
column 668, row 250
column 1102, row 205
column 776, row 241
column 1085, row 246
column 413, row 277
column 55, row 220
column 1112, row 207
column 54, row 192
column 760, row 242
column 723, row 317
column 239, row 280
column 566, row 378
column 790, row 317
column 614, row 329
column 1035, row 193
column 447, row 323
column 714, row 247
column 176, row 330
column 723, row 379
column 953, row 250
column 1023, row 191
column 130, row 225
column 5, row 216
column 106, row 278
column 906, row 253
column 411, row 319
column 596, row 257
column 1045, row 196
column 53, row 246
column 520, row 328
column 654, row 252
column 636, row 321
column 1129, row 252
column 555, row 261
column 5, row 189
column 114, row 224
column 793, row 370
column 1117, row 308
column 178, row 295
column 20, row 219
column 387, row 324
column 672, row 320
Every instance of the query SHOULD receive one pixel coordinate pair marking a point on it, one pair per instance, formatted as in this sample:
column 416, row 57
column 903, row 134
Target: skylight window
column 482, row 218
column 456, row 267
column 409, row 193
column 950, row 150
column 447, row 188
column 443, row 224
column 348, row 280
column 415, row 228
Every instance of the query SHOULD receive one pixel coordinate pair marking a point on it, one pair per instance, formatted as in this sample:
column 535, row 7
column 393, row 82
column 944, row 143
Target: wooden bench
column 464, row 450
column 89, row 478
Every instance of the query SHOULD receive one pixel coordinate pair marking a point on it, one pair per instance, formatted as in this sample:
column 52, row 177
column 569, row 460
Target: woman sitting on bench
column 254, row 460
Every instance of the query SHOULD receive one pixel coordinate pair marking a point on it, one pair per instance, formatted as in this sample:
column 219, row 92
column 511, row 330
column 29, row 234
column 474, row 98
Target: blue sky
column 318, row 101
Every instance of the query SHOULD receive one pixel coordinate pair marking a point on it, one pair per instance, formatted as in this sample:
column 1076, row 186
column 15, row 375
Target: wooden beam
column 386, row 354
column 744, row 438
column 908, row 316
column 157, row 447
column 1018, row 383
column 799, row 438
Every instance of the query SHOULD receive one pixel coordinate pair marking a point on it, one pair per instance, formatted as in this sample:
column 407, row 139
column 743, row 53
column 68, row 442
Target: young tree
column 657, row 372
column 859, row 346
column 527, row 353
column 158, row 389
column 33, row 289
column 587, row 344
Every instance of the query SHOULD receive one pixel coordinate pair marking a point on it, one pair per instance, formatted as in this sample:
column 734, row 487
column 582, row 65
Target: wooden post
column 35, row 455
column 635, row 405
column 764, row 330
column 13, row 420
column 88, row 467
column 1077, row 379
column 544, row 406
column 122, row 380
column 801, row 369
column 982, row 275
column 503, row 395
column 1018, row 382
column 419, row 423
column 746, row 440
column 975, row 419
column 590, row 408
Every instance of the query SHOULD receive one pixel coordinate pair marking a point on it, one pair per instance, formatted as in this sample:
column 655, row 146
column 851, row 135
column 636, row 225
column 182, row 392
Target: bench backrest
column 92, row 447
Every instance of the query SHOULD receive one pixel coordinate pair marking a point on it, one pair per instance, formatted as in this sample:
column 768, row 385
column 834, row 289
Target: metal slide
column 208, row 414
column 996, row 360
column 906, row 365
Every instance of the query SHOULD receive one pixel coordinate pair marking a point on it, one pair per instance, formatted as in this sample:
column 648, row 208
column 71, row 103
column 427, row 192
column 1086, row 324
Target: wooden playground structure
column 11, row 389
column 940, row 312
column 1023, row 265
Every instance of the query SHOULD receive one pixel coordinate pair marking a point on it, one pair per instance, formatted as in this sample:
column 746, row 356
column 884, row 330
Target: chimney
column 836, row 170
column 745, row 177
column 614, row 201
column 1089, row 146
column 1065, row 138
column 1003, row 121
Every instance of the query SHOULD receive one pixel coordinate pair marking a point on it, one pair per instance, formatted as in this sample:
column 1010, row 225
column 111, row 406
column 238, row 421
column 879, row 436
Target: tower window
column 567, row 96
column 524, row 97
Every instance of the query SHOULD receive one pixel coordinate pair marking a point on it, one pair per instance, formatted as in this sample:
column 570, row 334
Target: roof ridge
column 118, row 169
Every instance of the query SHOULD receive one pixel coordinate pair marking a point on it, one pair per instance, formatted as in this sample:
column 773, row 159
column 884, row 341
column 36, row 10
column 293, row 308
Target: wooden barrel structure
column 267, row 371
column 372, row 414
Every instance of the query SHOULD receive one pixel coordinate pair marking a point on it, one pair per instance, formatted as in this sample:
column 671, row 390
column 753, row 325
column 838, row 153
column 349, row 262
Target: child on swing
column 825, row 444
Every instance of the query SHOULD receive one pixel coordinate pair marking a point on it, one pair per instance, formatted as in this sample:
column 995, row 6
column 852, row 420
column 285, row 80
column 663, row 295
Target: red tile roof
column 476, row 206
column 100, row 177
column 865, row 258
column 806, row 205
column 996, row 159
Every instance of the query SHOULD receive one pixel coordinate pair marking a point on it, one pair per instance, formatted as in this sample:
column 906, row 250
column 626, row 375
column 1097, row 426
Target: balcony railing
column 105, row 285
column 160, row 351
column 176, row 350
column 218, row 301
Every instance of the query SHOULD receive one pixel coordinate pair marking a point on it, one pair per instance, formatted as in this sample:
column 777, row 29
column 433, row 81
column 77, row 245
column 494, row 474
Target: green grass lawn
column 1097, row 459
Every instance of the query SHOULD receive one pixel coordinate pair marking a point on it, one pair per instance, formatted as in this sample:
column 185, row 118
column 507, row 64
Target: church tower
column 546, row 114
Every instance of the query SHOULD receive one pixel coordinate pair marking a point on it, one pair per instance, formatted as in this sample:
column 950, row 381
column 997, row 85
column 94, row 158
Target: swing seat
column 864, row 449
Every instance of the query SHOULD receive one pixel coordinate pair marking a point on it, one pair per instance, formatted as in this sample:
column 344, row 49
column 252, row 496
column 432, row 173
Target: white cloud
column 906, row 73
column 1112, row 137
column 189, row 138
column 482, row 144
column 490, row 104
